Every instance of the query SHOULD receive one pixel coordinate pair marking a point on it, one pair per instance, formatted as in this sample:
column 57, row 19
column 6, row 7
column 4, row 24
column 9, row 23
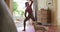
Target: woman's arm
column 31, row 2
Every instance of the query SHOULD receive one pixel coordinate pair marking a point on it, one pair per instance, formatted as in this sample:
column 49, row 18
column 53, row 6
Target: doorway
column 19, row 14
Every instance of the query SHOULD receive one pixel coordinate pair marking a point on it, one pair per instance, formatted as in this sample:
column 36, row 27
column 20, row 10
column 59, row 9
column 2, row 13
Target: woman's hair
column 27, row 3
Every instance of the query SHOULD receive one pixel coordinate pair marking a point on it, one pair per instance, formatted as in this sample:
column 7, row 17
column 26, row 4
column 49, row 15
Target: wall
column 54, row 13
column 58, row 13
column 42, row 4
column 7, row 1
column 11, row 6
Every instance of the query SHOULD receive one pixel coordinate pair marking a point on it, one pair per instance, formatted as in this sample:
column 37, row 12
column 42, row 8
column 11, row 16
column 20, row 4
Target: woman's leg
column 25, row 22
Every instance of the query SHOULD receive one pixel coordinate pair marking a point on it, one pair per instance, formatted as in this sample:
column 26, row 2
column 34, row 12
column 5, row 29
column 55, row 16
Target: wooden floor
column 30, row 28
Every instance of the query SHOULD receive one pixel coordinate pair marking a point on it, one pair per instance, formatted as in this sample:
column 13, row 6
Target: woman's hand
column 31, row 0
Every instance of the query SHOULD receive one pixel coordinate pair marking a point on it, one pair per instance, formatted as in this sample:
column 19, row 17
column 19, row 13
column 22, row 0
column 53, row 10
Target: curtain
column 6, row 19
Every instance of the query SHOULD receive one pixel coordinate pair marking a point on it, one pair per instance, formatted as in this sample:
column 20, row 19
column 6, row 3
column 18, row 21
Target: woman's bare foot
column 24, row 30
